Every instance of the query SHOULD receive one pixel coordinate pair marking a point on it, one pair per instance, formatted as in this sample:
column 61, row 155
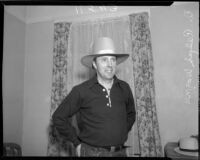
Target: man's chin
column 109, row 77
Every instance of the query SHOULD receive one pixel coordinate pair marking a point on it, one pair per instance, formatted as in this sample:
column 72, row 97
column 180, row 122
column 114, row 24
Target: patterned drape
column 149, row 137
column 57, row 146
column 59, row 79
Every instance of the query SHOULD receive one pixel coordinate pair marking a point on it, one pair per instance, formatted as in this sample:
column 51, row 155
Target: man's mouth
column 109, row 70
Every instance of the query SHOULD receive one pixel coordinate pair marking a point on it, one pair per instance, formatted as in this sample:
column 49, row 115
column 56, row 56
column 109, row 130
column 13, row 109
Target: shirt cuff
column 77, row 142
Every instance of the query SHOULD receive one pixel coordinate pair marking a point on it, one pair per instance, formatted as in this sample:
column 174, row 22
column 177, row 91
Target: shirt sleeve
column 130, row 108
column 68, row 107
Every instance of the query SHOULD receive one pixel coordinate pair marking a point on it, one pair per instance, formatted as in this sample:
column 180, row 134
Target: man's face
column 105, row 67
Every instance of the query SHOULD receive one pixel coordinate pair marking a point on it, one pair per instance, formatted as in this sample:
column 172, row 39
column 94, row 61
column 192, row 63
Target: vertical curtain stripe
column 59, row 82
column 149, row 136
column 59, row 79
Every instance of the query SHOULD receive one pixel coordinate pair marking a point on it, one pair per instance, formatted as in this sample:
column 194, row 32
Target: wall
column 37, row 87
column 13, row 78
column 175, row 77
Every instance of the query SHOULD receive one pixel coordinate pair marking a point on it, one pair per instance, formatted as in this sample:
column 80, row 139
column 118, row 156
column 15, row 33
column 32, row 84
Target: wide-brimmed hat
column 187, row 146
column 103, row 46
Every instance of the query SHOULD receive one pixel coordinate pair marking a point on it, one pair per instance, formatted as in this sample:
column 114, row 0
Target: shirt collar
column 94, row 81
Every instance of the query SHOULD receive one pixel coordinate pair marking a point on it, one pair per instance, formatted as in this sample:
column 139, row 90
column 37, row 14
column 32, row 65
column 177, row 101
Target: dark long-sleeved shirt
column 104, row 120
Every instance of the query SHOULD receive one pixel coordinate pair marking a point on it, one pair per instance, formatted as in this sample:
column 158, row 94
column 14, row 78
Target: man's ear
column 94, row 66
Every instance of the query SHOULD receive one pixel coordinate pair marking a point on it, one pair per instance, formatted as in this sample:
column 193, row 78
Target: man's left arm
column 130, row 108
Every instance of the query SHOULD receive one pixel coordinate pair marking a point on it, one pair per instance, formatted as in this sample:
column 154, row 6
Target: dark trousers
column 91, row 151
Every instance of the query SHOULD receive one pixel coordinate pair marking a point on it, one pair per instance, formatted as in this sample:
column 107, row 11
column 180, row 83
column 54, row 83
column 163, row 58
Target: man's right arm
column 69, row 106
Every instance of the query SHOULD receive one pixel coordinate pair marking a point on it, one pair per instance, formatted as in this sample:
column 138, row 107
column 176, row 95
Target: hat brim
column 87, row 60
column 177, row 149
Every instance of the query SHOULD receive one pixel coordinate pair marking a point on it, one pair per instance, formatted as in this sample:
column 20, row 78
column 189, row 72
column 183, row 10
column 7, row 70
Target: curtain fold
column 149, row 136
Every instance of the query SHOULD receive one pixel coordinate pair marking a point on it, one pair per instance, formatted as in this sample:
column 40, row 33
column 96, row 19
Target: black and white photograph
column 101, row 80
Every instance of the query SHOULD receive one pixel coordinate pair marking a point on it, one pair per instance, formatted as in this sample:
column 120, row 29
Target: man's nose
column 109, row 63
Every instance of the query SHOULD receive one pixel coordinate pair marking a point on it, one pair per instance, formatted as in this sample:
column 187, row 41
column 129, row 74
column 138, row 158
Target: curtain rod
column 95, row 20
column 91, row 18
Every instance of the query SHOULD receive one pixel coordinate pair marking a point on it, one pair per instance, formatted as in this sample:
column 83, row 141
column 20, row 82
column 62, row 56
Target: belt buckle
column 112, row 148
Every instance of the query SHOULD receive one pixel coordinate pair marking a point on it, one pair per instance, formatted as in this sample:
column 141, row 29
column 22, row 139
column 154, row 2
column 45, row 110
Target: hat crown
column 103, row 45
column 188, row 143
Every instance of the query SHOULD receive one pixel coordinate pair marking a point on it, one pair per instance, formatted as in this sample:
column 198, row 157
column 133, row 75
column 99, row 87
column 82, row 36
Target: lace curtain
column 74, row 40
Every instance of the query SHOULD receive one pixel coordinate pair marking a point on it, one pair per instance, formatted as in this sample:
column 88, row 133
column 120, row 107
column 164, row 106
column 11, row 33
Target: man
column 105, row 105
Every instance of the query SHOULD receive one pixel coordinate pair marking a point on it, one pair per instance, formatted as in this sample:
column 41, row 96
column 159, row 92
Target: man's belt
column 113, row 148
column 109, row 148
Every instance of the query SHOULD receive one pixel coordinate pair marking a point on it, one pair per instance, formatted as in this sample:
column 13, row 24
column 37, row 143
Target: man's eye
column 104, row 59
column 113, row 59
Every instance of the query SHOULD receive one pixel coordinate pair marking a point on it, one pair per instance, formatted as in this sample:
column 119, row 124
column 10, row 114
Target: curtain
column 57, row 146
column 149, row 137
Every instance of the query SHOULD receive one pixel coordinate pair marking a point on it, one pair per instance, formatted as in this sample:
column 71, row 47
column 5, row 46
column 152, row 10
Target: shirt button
column 104, row 90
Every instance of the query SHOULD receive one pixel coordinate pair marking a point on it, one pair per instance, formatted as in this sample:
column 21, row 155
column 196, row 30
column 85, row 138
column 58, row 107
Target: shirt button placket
column 108, row 104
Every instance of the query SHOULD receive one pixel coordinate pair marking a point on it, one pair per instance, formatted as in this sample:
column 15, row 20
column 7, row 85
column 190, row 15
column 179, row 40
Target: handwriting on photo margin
column 96, row 9
column 189, row 35
column 189, row 15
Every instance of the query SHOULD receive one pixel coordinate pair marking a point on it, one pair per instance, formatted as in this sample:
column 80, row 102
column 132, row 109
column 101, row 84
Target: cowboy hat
column 103, row 46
